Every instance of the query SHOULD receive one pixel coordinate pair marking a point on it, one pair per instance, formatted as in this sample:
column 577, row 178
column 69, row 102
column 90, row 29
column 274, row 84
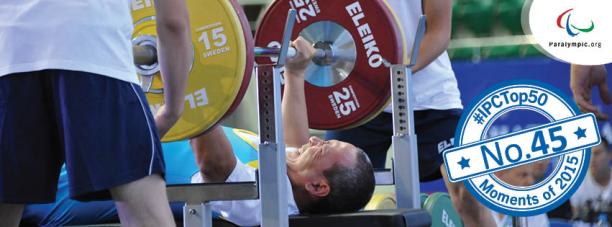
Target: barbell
column 347, row 82
column 146, row 55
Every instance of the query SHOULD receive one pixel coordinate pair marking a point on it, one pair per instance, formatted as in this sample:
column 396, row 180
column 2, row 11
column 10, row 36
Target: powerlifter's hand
column 583, row 79
column 297, row 64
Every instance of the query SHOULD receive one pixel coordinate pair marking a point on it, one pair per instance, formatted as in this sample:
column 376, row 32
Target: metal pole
column 404, row 140
column 272, row 168
column 197, row 215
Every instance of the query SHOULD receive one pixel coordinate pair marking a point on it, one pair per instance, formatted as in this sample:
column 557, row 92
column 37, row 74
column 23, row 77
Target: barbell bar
column 146, row 55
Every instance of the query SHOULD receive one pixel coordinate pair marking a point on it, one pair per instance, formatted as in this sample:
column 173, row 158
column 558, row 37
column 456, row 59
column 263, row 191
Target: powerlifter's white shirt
column 81, row 35
column 244, row 212
column 435, row 86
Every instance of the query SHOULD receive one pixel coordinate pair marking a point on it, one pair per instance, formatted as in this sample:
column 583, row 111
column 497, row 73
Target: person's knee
column 147, row 186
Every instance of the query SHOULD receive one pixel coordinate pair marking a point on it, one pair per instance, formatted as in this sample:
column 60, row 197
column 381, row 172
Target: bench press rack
column 271, row 184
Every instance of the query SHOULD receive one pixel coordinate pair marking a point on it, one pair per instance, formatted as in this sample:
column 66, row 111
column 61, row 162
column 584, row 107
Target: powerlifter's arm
column 213, row 151
column 295, row 115
column 214, row 155
column 174, row 55
column 437, row 34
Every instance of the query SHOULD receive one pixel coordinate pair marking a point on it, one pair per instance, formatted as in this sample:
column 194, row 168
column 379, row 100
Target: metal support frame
column 272, row 167
column 197, row 211
column 404, row 139
column 197, row 215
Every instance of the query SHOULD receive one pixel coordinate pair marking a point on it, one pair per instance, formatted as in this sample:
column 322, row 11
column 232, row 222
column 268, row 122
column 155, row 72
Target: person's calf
column 10, row 214
column 143, row 203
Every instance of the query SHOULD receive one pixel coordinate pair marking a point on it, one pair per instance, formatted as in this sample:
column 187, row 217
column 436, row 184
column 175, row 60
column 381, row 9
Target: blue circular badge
column 567, row 138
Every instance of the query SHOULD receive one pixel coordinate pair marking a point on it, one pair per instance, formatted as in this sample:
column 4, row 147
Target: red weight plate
column 250, row 58
column 349, row 101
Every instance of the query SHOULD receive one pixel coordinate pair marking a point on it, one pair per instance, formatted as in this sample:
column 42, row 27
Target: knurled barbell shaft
column 144, row 54
column 274, row 51
column 318, row 54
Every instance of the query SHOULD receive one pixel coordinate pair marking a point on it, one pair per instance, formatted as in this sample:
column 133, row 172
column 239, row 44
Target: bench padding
column 375, row 218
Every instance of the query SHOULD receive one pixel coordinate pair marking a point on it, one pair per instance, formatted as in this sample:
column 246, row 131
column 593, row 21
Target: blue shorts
column 101, row 127
column 435, row 130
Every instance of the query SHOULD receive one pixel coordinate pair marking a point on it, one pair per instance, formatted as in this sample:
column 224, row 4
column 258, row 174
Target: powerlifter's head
column 330, row 176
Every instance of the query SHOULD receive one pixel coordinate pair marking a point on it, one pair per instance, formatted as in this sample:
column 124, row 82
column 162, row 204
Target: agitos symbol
column 568, row 27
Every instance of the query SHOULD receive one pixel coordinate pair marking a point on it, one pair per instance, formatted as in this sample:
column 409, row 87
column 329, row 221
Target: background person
column 518, row 176
column 437, row 106
column 596, row 186
column 67, row 81
column 583, row 79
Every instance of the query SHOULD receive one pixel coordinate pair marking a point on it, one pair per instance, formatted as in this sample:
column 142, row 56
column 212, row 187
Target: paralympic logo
column 568, row 26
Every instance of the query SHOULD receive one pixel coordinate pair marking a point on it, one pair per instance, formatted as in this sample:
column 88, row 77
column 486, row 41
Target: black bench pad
column 375, row 218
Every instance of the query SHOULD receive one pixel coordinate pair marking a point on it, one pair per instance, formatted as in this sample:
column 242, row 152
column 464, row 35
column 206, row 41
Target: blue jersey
column 180, row 167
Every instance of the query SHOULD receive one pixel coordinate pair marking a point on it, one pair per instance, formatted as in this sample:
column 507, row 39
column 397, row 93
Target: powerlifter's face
column 319, row 155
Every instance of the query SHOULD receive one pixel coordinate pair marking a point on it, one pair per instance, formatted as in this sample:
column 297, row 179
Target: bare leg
column 471, row 211
column 143, row 203
column 10, row 214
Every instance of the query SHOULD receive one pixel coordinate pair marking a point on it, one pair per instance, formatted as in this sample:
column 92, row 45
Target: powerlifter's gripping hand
column 296, row 65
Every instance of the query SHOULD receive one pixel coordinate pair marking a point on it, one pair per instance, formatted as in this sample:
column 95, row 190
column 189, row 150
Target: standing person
column 437, row 105
column 68, row 92
column 596, row 186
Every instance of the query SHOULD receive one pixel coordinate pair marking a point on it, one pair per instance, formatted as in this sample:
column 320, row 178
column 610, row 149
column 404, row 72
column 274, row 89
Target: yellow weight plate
column 382, row 201
column 221, row 64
